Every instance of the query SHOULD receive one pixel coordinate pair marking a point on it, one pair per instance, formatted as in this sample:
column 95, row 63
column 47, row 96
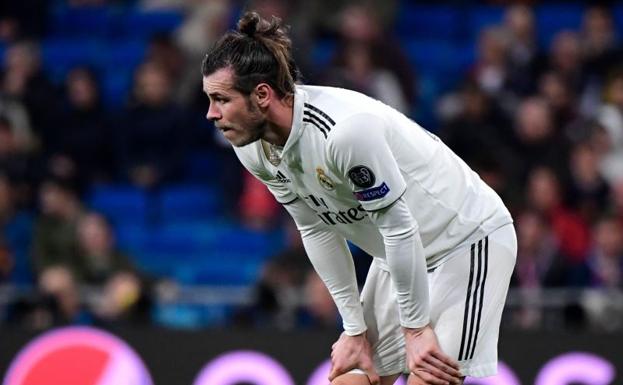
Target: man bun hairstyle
column 259, row 51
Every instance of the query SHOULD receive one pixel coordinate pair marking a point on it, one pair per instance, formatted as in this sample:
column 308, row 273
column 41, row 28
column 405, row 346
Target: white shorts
column 467, row 295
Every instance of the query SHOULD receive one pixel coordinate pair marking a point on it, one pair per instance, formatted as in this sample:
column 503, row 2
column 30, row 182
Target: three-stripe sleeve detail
column 474, row 300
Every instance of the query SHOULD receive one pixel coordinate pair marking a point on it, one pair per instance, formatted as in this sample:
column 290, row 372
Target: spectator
column 55, row 238
column 99, row 257
column 545, row 195
column 14, row 161
column 606, row 259
column 15, row 233
column 59, row 284
column 24, row 81
column 361, row 33
column 490, row 71
column 605, row 306
column 83, row 137
column 18, row 21
column 538, row 266
column 565, row 58
column 152, row 132
column 124, row 301
column 598, row 39
column 479, row 135
column 610, row 116
column 560, row 98
column 587, row 191
column 523, row 50
column 18, row 118
column 537, row 142
column 204, row 22
column 355, row 68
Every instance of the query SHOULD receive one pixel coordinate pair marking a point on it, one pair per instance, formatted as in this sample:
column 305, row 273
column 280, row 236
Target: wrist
column 414, row 332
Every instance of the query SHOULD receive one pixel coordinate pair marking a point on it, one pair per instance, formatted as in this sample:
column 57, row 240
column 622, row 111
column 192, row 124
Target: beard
column 253, row 127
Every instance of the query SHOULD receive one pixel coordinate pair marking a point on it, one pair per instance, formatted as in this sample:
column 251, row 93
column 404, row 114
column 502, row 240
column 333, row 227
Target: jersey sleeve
column 250, row 160
column 331, row 258
column 359, row 152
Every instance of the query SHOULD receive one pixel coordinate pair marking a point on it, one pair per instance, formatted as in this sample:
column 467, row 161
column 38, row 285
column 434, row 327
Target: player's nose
column 213, row 113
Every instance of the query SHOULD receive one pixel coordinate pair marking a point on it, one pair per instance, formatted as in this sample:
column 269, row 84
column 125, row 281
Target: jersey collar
column 300, row 97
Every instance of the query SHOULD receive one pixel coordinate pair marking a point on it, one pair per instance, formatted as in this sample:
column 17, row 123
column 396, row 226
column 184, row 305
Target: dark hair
column 259, row 51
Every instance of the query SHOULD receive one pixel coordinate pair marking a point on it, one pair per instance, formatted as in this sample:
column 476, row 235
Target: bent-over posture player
column 347, row 167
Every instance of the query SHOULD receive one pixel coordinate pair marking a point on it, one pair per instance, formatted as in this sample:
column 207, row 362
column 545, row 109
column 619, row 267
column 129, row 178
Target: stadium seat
column 60, row 55
column 553, row 18
column 617, row 15
column 428, row 21
column 121, row 203
column 84, row 21
column 149, row 23
column 323, row 52
column 189, row 202
column 115, row 87
column 482, row 16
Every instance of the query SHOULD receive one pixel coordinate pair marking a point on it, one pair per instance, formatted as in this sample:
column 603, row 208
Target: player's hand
column 352, row 352
column 426, row 360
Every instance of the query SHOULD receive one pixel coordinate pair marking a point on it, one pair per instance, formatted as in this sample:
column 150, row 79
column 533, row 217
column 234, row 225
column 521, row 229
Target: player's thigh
column 467, row 294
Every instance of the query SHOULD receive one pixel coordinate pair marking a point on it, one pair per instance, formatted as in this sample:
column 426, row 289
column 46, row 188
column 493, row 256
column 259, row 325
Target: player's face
column 234, row 114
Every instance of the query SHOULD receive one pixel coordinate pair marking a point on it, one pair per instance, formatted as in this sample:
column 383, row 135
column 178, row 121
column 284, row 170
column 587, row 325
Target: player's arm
column 331, row 258
column 329, row 254
column 362, row 156
column 326, row 250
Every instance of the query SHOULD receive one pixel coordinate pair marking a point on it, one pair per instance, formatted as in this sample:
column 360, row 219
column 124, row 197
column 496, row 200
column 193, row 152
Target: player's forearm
column 331, row 258
column 332, row 261
column 407, row 263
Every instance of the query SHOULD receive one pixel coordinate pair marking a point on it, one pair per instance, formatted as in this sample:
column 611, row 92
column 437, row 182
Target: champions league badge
column 324, row 180
column 362, row 176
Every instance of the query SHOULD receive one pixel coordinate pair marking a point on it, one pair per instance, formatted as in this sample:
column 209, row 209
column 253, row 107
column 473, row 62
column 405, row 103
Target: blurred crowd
column 543, row 125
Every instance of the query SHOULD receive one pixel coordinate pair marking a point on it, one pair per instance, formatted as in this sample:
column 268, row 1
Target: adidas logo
column 281, row 178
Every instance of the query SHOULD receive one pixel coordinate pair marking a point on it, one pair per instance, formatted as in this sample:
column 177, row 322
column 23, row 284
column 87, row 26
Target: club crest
column 324, row 179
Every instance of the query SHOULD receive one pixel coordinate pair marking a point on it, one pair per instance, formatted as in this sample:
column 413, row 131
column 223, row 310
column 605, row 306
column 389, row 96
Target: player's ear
column 263, row 94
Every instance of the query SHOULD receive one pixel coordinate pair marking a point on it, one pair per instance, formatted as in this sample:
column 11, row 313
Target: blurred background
column 121, row 206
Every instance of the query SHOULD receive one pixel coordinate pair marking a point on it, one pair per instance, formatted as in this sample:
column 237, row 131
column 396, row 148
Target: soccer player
column 347, row 167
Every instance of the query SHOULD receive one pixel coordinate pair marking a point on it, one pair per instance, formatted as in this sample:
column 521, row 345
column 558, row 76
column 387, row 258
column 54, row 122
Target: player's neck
column 279, row 117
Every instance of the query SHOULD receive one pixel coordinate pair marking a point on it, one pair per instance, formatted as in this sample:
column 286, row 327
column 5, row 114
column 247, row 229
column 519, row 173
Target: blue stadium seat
column 85, row 21
column 323, row 52
column 115, row 87
column 552, row 18
column 189, row 202
column 121, row 203
column 59, row 55
column 438, row 56
column 617, row 15
column 199, row 165
column 122, row 54
column 148, row 23
column 482, row 16
column 428, row 21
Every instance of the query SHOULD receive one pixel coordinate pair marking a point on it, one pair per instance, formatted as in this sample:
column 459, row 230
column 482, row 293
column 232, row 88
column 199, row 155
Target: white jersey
column 348, row 154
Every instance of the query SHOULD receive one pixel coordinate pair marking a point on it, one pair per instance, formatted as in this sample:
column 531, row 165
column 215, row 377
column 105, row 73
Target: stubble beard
column 255, row 126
